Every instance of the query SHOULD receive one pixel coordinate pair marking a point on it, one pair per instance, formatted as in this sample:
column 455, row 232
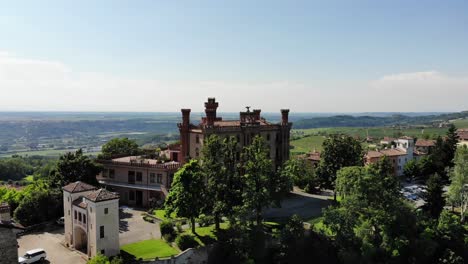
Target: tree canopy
column 118, row 147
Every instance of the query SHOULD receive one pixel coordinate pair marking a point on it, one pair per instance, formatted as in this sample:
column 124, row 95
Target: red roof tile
column 425, row 143
column 102, row 195
column 78, row 186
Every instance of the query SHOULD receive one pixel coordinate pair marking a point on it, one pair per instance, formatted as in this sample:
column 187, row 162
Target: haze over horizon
column 155, row 56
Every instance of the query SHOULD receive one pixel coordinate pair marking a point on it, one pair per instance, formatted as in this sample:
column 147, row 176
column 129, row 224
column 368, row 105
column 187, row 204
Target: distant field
column 307, row 144
column 47, row 153
column 461, row 123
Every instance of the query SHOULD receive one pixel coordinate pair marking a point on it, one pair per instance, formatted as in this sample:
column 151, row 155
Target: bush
column 186, row 241
column 167, row 230
column 148, row 219
column 179, row 227
column 206, row 220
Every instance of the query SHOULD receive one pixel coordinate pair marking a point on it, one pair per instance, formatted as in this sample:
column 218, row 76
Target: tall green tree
column 412, row 169
column 187, row 195
column 257, row 167
column 338, row 151
column 73, row 167
column 301, row 173
column 450, row 143
column 458, row 189
column 433, row 196
column 118, row 147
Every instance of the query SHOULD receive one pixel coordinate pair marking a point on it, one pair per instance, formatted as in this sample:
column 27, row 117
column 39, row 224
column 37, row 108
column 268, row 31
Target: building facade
column 91, row 219
column 398, row 156
column 8, row 241
column 140, row 182
column 249, row 125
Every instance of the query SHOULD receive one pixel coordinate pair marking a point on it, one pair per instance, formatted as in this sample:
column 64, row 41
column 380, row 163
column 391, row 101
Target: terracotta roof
column 80, row 203
column 418, row 153
column 405, row 137
column 102, row 195
column 385, row 152
column 388, row 139
column 463, row 133
column 425, row 143
column 314, row 156
column 393, row 152
column 78, row 186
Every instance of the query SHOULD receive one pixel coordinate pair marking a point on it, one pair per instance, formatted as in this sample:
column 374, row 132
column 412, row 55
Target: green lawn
column 161, row 214
column 205, row 235
column 318, row 226
column 150, row 249
column 29, row 178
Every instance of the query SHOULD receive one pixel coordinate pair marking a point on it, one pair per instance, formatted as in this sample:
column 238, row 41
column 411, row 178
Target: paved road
column 133, row 228
column 303, row 204
column 50, row 241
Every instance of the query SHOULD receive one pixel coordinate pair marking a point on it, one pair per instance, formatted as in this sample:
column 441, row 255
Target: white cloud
column 27, row 84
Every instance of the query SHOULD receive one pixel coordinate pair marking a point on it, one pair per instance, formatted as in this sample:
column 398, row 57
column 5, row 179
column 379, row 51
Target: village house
column 398, row 156
column 313, row 157
column 463, row 136
column 249, row 125
column 8, row 231
column 91, row 219
column 141, row 182
column 425, row 145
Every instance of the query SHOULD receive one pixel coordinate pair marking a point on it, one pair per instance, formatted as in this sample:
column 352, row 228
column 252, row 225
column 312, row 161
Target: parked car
column 60, row 221
column 32, row 256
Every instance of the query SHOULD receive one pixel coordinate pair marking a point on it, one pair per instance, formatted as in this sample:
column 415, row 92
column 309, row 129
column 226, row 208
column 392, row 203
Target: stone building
column 91, row 219
column 249, row 125
column 8, row 231
column 141, row 182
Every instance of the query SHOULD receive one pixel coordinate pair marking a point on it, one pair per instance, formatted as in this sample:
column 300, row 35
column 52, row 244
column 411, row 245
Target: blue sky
column 317, row 56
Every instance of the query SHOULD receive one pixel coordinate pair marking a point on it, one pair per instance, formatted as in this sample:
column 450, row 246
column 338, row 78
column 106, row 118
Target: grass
column 307, row 144
column 161, row 214
column 47, row 153
column 29, row 178
column 462, row 123
column 150, row 249
column 205, row 235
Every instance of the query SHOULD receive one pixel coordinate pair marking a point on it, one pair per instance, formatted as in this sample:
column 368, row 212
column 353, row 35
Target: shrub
column 168, row 238
column 167, row 230
column 179, row 227
column 206, row 220
column 148, row 219
column 186, row 241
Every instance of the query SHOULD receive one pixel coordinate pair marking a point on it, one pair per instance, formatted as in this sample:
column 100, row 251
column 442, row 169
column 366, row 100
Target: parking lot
column 50, row 240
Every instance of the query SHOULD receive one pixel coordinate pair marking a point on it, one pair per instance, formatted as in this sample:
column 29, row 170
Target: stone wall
column 189, row 256
column 8, row 246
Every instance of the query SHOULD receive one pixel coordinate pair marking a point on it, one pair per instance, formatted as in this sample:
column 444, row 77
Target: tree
column 73, row 167
column 301, row 173
column 450, row 144
column 338, row 151
column 412, row 169
column 119, row 146
column 187, row 195
column 291, row 237
column 257, row 168
column 458, row 189
column 101, row 259
column 219, row 167
column 433, row 197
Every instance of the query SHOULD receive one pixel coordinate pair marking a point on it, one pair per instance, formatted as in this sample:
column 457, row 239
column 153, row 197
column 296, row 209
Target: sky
column 308, row 56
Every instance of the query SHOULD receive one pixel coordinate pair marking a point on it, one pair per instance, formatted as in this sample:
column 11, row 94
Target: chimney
column 284, row 116
column 257, row 114
column 185, row 117
column 210, row 109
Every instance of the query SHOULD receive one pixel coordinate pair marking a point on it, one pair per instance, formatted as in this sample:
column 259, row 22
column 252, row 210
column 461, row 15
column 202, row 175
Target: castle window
column 91, row 209
column 152, row 177
column 197, row 139
column 106, row 210
column 111, row 173
column 101, row 231
column 68, row 212
column 103, row 252
column 159, row 180
column 139, row 176
column 79, row 217
column 131, row 195
column 84, row 219
column 76, row 215
column 238, row 138
column 268, row 137
column 68, row 199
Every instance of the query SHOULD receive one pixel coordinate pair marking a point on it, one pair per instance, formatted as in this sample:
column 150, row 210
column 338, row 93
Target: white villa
column 91, row 219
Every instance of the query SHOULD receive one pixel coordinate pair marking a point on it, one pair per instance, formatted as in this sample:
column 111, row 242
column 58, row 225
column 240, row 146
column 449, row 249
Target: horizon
column 310, row 57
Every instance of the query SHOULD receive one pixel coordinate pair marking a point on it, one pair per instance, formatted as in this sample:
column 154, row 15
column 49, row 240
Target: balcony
column 152, row 187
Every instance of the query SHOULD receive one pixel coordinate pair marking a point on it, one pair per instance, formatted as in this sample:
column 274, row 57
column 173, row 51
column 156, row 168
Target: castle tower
column 210, row 109
column 184, row 128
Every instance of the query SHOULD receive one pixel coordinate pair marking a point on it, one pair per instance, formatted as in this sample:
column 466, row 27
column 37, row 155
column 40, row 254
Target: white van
column 32, row 256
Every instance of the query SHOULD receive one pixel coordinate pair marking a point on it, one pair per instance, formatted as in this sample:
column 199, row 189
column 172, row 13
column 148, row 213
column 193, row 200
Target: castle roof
column 102, row 195
column 78, row 186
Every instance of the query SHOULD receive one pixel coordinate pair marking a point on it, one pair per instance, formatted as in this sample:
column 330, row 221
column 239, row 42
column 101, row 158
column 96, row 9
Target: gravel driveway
column 133, row 228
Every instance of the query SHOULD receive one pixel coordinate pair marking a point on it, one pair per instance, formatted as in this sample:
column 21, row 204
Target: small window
column 101, row 231
column 197, row 139
column 152, row 177
column 103, row 252
column 111, row 173
column 79, row 217
column 76, row 215
column 106, row 210
column 139, row 176
column 131, row 195
column 91, row 209
column 91, row 226
column 159, row 180
column 68, row 199
column 68, row 212
column 84, row 219
column 268, row 137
